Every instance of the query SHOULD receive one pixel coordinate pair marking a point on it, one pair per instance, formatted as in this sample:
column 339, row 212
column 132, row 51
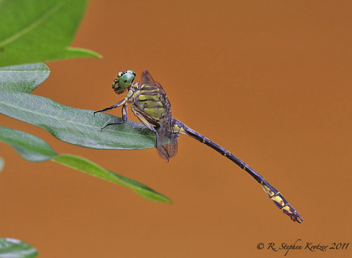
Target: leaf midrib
column 60, row 120
column 33, row 25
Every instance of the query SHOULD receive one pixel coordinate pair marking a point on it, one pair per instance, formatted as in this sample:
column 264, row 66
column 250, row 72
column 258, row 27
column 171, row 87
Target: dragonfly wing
column 168, row 150
column 165, row 150
column 147, row 79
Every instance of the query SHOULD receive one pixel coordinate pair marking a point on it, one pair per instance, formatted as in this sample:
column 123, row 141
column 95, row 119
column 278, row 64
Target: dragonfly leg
column 118, row 104
column 142, row 119
column 124, row 118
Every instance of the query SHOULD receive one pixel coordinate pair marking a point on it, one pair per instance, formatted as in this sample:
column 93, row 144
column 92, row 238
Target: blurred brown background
column 268, row 80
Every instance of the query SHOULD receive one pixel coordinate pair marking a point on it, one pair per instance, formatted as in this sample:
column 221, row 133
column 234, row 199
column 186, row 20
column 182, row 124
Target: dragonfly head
column 123, row 81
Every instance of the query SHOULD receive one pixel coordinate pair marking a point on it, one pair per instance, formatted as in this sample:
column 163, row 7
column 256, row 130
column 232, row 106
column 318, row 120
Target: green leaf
column 2, row 163
column 35, row 149
column 23, row 78
column 93, row 169
column 38, row 31
column 28, row 146
column 71, row 52
column 13, row 248
column 75, row 126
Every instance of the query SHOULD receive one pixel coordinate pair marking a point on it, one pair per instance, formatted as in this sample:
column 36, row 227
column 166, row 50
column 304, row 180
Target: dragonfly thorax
column 123, row 81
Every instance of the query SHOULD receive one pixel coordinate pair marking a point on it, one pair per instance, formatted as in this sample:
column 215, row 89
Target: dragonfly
column 152, row 107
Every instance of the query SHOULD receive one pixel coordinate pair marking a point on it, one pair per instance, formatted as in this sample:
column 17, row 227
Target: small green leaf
column 28, row 146
column 23, row 78
column 2, row 163
column 93, row 169
column 76, row 53
column 38, row 31
column 75, row 126
column 35, row 149
column 13, row 248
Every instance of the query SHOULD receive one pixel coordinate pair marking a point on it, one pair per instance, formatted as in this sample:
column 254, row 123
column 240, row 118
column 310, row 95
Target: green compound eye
column 126, row 79
column 123, row 80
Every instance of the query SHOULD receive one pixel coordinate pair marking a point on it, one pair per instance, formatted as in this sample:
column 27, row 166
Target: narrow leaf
column 23, row 78
column 2, row 163
column 93, row 169
column 35, row 149
column 13, row 248
column 76, row 53
column 75, row 126
column 39, row 31
column 27, row 145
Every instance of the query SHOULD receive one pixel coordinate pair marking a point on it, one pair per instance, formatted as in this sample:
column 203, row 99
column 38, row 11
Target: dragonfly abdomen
column 272, row 193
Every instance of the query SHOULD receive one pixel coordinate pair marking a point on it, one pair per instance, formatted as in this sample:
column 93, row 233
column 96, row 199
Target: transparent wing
column 147, row 79
column 167, row 146
column 167, row 150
